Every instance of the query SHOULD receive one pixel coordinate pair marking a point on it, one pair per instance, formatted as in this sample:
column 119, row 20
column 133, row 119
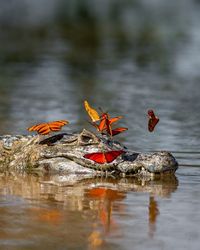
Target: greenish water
column 124, row 57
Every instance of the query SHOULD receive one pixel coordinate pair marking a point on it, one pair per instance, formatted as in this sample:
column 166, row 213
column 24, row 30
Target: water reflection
column 43, row 204
column 153, row 214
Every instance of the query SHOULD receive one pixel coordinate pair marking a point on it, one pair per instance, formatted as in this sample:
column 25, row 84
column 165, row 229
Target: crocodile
column 64, row 152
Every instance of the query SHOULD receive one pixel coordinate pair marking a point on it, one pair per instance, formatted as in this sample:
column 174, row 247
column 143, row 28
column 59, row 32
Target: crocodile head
column 73, row 148
column 65, row 152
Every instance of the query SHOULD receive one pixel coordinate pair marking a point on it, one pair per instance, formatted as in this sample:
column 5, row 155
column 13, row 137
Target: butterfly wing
column 104, row 157
column 152, row 123
column 109, row 128
column 44, row 130
column 57, row 125
column 111, row 120
column 115, row 119
column 102, row 124
column 98, row 157
column 117, row 131
column 53, row 127
column 105, row 125
column 112, row 155
column 93, row 114
column 61, row 122
column 36, row 127
column 150, row 113
column 41, row 128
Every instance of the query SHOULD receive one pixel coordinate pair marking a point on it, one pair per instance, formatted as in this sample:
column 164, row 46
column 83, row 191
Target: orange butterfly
column 104, row 157
column 93, row 114
column 153, row 120
column 106, row 121
column 46, row 128
column 105, row 124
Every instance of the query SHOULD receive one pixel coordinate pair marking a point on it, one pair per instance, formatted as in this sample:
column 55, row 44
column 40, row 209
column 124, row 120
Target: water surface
column 99, row 213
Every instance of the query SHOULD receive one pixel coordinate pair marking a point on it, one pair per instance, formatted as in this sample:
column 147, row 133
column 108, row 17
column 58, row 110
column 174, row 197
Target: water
column 126, row 59
column 99, row 213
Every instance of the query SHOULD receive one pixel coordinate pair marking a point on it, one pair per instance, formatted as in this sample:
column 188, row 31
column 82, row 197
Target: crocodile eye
column 86, row 139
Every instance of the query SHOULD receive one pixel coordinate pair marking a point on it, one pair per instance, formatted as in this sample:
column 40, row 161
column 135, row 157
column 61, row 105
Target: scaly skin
column 64, row 152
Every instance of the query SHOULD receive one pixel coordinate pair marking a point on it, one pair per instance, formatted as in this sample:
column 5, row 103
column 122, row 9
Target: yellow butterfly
column 91, row 112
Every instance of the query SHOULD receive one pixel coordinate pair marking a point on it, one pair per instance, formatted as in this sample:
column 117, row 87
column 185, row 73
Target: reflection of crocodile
column 60, row 188
column 98, row 207
column 64, row 152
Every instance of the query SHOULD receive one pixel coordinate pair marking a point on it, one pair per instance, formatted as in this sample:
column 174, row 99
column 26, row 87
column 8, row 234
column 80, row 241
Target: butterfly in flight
column 104, row 157
column 93, row 114
column 46, row 128
column 104, row 119
column 153, row 120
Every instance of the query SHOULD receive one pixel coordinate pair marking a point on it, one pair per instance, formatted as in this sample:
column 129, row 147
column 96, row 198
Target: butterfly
column 117, row 131
column 46, row 128
column 104, row 157
column 153, row 120
column 105, row 120
column 93, row 114
column 105, row 123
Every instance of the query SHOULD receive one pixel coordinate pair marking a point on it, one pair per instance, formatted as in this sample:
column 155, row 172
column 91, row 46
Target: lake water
column 45, row 74
column 100, row 213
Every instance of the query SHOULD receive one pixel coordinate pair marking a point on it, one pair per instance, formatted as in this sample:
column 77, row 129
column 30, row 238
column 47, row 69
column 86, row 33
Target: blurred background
column 124, row 56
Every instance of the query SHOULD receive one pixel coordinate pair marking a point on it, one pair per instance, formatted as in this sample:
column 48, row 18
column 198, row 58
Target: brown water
column 125, row 57
column 100, row 213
